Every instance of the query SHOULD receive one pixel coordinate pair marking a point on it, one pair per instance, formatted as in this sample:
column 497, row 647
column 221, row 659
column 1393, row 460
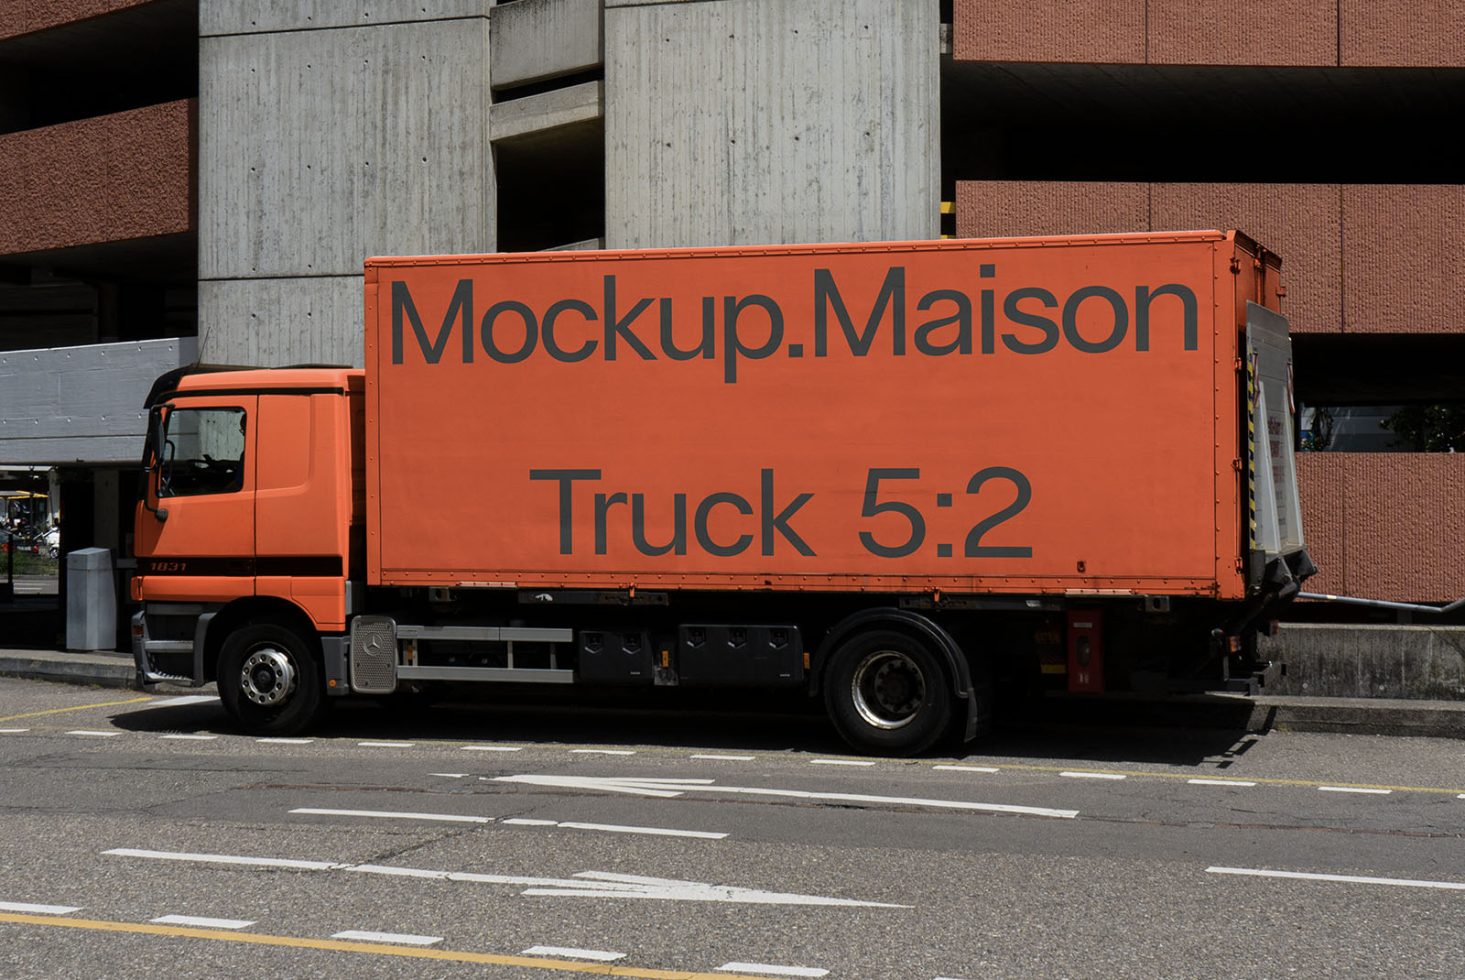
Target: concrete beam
column 222, row 17
column 68, row 405
column 547, row 110
column 538, row 39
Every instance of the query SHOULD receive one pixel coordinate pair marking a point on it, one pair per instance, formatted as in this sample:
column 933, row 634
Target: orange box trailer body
column 1096, row 377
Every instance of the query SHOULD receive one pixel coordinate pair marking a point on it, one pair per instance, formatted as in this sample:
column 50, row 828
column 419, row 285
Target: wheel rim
column 268, row 676
column 888, row 689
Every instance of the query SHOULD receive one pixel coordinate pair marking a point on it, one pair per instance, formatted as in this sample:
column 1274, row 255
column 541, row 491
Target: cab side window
column 203, row 452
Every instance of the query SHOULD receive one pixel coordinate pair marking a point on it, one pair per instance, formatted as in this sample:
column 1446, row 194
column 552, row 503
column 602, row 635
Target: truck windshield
column 203, row 452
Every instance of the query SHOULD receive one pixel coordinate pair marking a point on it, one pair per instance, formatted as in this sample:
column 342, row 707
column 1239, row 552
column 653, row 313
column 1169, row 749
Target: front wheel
column 887, row 693
column 269, row 680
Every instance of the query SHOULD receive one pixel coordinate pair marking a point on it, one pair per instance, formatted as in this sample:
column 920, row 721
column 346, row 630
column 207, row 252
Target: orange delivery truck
column 899, row 477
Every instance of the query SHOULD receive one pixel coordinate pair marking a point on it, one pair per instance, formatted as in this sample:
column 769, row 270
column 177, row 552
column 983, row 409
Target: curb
column 90, row 671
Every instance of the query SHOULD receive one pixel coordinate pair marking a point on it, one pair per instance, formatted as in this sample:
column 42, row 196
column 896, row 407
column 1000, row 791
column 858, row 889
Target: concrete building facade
column 208, row 184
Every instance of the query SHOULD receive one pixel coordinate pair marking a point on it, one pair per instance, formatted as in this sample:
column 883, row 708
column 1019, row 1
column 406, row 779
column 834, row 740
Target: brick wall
column 108, row 178
column 1350, row 33
column 1385, row 525
column 19, row 17
column 1378, row 258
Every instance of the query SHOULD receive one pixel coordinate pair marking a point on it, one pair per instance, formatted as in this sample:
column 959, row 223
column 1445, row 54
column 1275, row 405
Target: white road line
column 1092, row 775
column 1457, row 886
column 719, row 758
column 449, row 775
column 90, row 734
column 252, row 862
column 1461, row 797
column 191, row 738
column 202, row 922
column 839, row 762
column 613, row 828
column 385, row 745
column 968, row 768
column 285, row 741
column 1219, row 782
column 603, row 751
column 493, row 748
column 653, row 831
column 13, row 731
column 669, row 788
column 1354, row 789
column 392, row 815
column 773, row 969
column 401, row 938
column 592, row 884
column 185, row 699
column 39, row 909
column 571, row 952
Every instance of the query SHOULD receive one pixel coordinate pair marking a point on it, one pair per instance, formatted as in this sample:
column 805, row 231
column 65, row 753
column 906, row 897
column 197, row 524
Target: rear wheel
column 887, row 693
column 269, row 680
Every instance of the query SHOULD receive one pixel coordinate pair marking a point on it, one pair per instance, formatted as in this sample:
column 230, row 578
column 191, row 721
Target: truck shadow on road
column 1189, row 732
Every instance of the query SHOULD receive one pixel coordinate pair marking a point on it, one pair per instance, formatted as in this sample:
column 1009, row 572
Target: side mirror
column 153, row 460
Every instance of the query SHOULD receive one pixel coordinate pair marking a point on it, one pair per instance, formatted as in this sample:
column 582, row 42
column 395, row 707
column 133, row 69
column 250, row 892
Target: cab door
column 198, row 545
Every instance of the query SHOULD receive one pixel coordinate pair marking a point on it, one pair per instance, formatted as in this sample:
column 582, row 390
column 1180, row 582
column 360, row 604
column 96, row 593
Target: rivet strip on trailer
column 1252, row 362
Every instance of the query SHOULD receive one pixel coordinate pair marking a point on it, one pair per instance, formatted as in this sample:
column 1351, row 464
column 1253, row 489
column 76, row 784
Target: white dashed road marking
column 449, row 775
column 968, row 768
column 603, row 751
column 202, row 922
column 1092, row 775
column 726, row 758
column 773, row 969
column 285, row 741
column 1354, row 789
column 493, row 748
column 839, row 762
column 401, row 938
column 190, row 738
column 91, row 734
column 385, row 745
column 653, row 831
column 392, row 815
column 571, row 952
column 1219, row 782
column 13, row 731
column 185, row 699
column 38, row 909
column 1457, row 886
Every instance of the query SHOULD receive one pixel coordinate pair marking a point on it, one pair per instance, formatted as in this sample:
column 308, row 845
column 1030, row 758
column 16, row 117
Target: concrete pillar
column 764, row 121
column 331, row 130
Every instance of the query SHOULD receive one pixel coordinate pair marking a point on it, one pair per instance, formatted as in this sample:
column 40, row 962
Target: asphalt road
column 144, row 836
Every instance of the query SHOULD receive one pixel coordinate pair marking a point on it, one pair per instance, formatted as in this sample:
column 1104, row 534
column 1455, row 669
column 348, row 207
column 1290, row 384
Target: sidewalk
column 1358, row 716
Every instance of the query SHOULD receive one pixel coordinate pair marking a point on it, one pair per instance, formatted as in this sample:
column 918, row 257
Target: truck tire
column 268, row 680
column 887, row 693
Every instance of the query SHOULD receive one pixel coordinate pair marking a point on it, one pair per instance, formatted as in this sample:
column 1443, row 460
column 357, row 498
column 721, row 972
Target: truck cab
column 249, row 535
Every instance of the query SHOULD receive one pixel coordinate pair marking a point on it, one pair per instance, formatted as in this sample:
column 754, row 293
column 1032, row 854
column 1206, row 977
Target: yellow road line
column 377, row 949
column 80, row 707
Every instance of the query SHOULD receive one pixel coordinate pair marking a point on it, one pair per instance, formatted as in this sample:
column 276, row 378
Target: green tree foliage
column 1429, row 428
